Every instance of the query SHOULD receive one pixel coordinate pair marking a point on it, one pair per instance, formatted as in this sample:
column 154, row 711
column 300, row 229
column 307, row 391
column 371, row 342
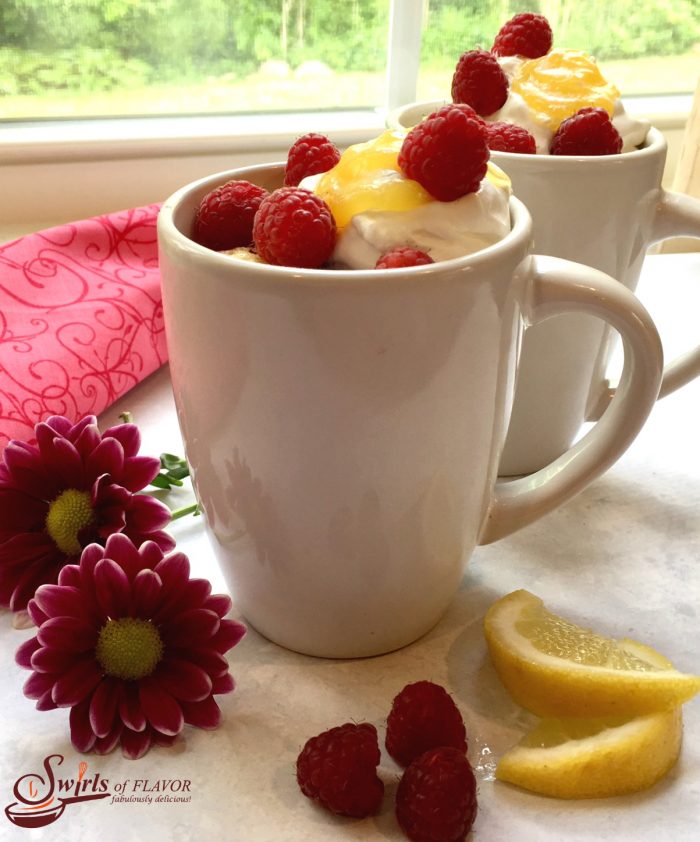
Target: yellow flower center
column 129, row 648
column 68, row 514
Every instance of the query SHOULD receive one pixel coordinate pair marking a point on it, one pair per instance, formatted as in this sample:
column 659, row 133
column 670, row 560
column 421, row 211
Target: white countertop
column 623, row 557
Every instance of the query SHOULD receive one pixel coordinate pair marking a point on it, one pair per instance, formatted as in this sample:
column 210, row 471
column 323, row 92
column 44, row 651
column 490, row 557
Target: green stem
column 192, row 509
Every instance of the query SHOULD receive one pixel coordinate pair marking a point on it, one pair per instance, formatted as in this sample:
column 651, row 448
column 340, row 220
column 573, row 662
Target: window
column 116, row 103
column 97, row 58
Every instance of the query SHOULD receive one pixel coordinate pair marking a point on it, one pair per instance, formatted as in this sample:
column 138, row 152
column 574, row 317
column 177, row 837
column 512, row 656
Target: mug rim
column 172, row 238
column 653, row 144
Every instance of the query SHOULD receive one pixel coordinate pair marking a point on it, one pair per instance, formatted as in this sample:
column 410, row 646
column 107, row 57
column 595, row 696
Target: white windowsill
column 81, row 168
column 151, row 137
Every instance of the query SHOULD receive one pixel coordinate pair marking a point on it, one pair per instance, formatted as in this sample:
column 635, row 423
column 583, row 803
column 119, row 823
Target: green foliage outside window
column 93, row 45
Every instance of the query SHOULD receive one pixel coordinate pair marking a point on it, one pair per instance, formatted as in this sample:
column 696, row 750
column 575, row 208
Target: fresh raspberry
column 525, row 35
column 589, row 132
column 447, row 155
column 310, row 154
column 479, row 81
column 403, row 256
column 507, row 137
column 436, row 798
column 224, row 218
column 460, row 106
column 423, row 716
column 294, row 227
column 338, row 768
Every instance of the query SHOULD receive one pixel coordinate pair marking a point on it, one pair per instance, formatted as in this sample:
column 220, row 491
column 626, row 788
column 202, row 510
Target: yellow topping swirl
column 368, row 178
column 560, row 83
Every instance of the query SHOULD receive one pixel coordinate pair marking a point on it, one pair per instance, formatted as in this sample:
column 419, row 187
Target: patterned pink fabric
column 81, row 318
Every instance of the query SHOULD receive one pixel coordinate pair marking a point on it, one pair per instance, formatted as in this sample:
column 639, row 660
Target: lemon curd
column 560, row 83
column 368, row 178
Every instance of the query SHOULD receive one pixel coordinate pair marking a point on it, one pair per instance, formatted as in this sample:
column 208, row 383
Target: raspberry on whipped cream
column 377, row 208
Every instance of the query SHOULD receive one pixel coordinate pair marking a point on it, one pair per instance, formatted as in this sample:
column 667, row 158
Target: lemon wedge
column 594, row 758
column 554, row 668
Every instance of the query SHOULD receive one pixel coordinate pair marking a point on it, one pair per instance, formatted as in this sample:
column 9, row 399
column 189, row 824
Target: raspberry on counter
column 423, row 716
column 338, row 768
column 436, row 798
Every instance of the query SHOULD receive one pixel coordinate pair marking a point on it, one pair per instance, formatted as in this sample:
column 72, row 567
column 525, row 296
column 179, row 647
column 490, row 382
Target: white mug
column 344, row 428
column 604, row 212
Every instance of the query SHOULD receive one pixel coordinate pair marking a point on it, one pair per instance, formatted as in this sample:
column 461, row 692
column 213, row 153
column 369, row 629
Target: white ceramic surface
column 344, row 428
column 605, row 212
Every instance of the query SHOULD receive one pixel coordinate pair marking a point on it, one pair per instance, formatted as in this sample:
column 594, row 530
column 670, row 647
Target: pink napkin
column 81, row 318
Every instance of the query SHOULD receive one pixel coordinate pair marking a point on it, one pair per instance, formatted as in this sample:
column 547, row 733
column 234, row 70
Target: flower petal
column 86, row 440
column 36, row 613
column 183, row 680
column 21, row 513
column 135, row 743
column 211, row 661
column 145, row 594
column 121, row 549
column 162, row 711
column 103, row 745
column 37, row 684
column 223, row 684
column 130, row 710
column 229, row 634
column 165, row 542
column 146, row 514
column 182, row 597
column 139, row 471
column 219, row 602
column 103, row 706
column 63, row 461
column 151, row 554
column 60, row 601
column 81, row 734
column 40, row 572
column 46, row 702
column 163, row 739
column 192, row 627
column 23, row 462
column 69, row 634
column 112, row 589
column 53, row 661
column 128, row 435
column 106, row 458
column 205, row 714
column 25, row 651
column 72, row 687
column 70, row 576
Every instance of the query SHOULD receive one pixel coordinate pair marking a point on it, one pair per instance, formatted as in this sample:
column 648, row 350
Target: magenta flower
column 74, row 488
column 132, row 645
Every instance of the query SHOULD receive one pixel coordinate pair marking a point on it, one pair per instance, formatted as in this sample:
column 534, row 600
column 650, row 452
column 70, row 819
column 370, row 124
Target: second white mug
column 605, row 212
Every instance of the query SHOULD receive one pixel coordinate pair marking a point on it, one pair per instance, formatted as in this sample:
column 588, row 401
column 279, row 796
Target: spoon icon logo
column 37, row 802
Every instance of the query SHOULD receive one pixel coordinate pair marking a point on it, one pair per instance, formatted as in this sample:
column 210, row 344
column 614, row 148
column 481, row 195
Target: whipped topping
column 515, row 110
column 444, row 230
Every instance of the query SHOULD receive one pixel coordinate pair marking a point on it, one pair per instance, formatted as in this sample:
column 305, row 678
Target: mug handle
column 676, row 216
column 559, row 286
